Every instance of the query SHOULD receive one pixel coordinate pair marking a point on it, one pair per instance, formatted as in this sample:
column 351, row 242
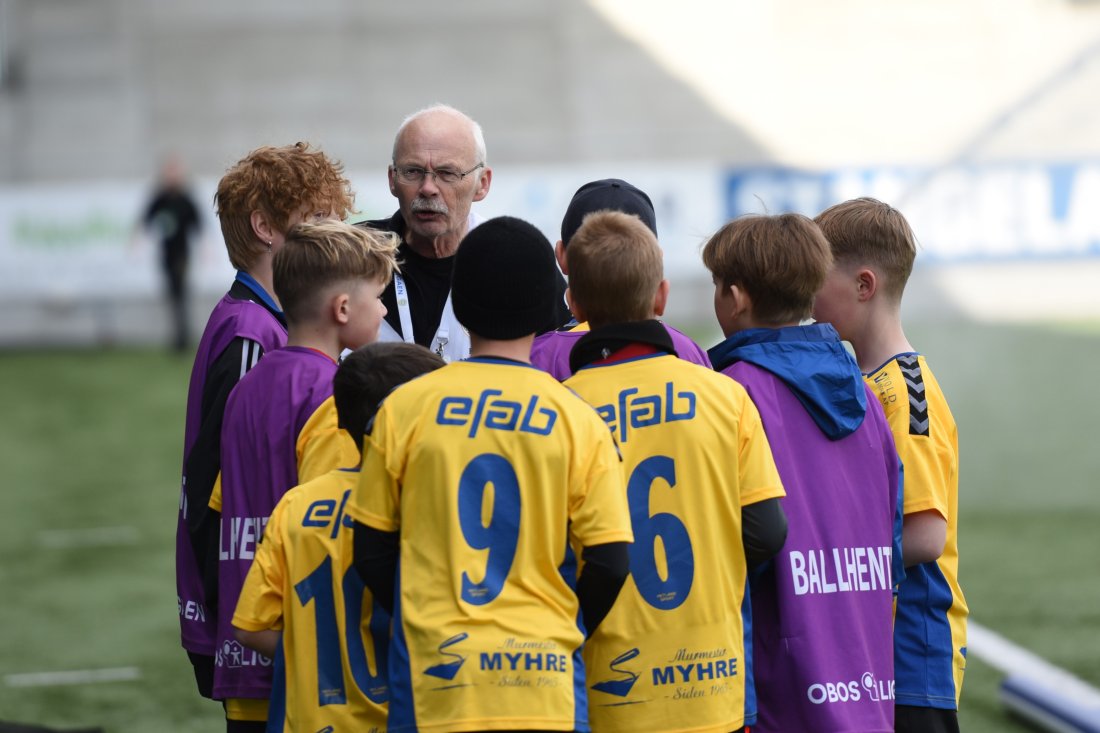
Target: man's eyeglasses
column 416, row 174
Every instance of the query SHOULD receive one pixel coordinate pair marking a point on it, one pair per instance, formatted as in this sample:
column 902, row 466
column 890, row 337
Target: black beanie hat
column 608, row 194
column 505, row 282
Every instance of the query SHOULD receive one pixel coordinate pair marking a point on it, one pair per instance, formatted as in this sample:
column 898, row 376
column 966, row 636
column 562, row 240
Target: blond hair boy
column 281, row 427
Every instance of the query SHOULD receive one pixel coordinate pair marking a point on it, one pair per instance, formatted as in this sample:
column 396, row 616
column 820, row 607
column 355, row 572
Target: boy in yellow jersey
column 334, row 638
column 475, row 480
column 873, row 249
column 280, row 426
column 702, row 488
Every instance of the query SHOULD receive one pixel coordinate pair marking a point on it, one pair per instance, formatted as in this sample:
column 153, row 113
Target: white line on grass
column 67, row 539
column 72, row 677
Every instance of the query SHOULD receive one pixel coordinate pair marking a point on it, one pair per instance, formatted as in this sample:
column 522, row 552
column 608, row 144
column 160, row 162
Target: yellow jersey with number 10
column 335, row 639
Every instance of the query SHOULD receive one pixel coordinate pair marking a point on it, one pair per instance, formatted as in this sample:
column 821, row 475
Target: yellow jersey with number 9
column 488, row 469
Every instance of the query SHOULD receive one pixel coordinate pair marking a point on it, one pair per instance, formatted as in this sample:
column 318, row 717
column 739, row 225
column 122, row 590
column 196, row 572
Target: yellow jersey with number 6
column 670, row 654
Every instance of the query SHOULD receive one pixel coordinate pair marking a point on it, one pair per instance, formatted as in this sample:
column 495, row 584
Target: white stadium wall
column 990, row 144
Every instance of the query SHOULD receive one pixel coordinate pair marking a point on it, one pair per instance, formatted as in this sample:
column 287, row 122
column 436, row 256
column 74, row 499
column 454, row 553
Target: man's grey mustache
column 433, row 205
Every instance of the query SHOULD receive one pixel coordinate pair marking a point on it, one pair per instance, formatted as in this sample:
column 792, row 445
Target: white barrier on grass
column 1035, row 689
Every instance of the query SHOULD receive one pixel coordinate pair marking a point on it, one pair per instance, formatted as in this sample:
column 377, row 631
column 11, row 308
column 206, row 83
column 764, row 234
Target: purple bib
column 230, row 319
column 822, row 631
column 263, row 421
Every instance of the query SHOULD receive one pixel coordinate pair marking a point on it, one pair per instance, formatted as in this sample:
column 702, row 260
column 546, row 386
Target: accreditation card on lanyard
column 451, row 341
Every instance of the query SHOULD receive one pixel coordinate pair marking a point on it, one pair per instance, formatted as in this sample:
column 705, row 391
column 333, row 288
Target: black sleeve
column 763, row 531
column 204, row 542
column 605, row 570
column 561, row 314
column 203, row 463
column 374, row 555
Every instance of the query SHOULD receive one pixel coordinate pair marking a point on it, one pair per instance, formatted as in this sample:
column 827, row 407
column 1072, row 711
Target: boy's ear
column 574, row 307
column 340, row 308
column 660, row 299
column 740, row 302
column 559, row 253
column 261, row 228
column 866, row 284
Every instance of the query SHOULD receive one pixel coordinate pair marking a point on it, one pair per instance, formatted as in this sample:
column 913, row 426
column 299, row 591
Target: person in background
column 172, row 217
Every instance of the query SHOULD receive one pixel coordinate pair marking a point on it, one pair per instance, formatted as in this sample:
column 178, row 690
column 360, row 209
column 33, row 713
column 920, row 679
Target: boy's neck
column 261, row 273
column 515, row 349
column 318, row 338
column 594, row 325
column 881, row 339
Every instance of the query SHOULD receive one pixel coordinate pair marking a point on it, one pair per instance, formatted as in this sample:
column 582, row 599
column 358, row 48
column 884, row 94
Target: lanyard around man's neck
column 451, row 341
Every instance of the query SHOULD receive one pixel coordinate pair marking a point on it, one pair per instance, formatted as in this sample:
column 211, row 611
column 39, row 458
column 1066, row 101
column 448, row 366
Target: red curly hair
column 278, row 182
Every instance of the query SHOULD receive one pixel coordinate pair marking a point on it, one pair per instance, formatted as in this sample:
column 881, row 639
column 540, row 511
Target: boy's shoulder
column 905, row 384
column 477, row 374
column 485, row 388
column 686, row 347
column 285, row 380
column 550, row 350
column 316, row 503
column 235, row 316
column 290, row 362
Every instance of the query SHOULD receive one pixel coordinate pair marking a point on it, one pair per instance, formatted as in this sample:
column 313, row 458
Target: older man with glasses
column 439, row 170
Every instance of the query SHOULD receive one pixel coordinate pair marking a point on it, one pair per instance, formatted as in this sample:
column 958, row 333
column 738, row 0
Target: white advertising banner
column 964, row 213
column 70, row 241
column 81, row 240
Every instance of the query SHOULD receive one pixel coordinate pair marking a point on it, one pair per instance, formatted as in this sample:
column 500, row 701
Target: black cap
column 608, row 194
column 505, row 282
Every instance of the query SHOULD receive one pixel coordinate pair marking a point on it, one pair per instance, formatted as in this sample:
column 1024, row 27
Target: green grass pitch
column 93, row 440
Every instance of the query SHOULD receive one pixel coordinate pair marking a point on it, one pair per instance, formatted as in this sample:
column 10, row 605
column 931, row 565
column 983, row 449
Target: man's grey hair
column 475, row 129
